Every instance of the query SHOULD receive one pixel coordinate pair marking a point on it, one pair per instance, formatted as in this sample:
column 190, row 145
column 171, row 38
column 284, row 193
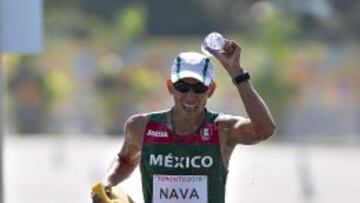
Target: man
column 184, row 152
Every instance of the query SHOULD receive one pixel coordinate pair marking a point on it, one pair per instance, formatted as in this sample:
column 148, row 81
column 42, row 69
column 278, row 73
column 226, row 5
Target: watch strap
column 241, row 78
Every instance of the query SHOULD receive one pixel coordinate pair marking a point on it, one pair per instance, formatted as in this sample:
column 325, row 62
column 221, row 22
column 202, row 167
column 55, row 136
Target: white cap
column 192, row 65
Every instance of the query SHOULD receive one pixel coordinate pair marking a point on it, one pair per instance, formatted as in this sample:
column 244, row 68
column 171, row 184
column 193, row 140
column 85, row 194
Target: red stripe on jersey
column 159, row 133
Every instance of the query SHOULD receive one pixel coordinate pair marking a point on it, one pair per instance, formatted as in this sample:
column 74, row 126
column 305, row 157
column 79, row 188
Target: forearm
column 119, row 170
column 259, row 114
column 256, row 109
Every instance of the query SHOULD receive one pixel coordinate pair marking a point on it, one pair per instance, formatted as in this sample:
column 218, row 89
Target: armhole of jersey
column 157, row 117
column 211, row 118
column 154, row 118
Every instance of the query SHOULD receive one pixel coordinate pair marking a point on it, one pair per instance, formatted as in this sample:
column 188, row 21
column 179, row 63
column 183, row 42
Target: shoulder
column 138, row 122
column 135, row 128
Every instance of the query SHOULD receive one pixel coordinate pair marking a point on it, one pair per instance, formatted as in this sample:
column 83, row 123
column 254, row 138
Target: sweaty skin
column 188, row 115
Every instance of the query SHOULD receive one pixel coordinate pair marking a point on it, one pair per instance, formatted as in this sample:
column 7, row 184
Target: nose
column 190, row 93
column 190, row 96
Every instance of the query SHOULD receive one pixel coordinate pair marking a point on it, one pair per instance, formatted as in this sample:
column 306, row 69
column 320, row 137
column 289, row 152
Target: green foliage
column 130, row 22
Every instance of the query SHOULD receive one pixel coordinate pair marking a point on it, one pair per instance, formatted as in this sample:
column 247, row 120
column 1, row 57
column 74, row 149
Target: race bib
column 180, row 189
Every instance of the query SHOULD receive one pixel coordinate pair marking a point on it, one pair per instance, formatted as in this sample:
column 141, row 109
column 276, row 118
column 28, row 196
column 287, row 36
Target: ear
column 212, row 88
column 169, row 86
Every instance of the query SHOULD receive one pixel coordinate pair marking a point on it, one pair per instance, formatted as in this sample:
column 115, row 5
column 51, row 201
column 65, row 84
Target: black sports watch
column 241, row 78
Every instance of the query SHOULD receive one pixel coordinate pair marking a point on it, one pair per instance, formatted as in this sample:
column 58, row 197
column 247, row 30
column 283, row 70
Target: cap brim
column 190, row 74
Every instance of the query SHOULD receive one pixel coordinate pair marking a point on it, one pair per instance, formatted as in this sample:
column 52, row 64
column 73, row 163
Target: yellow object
column 99, row 190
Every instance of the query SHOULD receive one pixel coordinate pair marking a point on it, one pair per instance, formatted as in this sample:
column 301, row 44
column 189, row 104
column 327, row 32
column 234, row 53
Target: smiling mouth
column 189, row 107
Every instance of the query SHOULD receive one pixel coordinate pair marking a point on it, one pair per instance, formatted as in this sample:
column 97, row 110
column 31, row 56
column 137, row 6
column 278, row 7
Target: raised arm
column 260, row 124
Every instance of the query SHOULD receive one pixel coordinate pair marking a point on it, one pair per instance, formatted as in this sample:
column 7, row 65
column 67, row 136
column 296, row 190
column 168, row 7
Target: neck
column 186, row 123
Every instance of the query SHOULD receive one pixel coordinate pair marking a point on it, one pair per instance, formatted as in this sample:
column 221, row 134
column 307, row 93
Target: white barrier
column 61, row 169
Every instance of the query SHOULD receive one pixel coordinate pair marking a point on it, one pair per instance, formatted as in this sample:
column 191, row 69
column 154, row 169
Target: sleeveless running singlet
column 182, row 169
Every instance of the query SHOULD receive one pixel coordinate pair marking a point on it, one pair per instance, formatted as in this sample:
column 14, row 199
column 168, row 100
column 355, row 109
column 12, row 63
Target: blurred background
column 103, row 61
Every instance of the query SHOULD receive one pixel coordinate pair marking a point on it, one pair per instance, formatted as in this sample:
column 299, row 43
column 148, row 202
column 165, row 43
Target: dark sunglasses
column 184, row 87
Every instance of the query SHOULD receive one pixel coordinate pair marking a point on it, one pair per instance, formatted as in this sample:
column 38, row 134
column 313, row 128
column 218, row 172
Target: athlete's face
column 190, row 96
